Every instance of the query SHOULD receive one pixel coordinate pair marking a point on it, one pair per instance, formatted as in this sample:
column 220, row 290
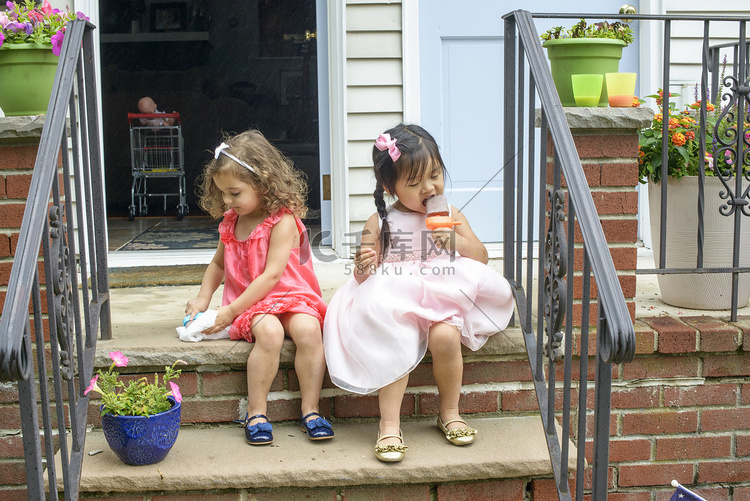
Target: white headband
column 222, row 149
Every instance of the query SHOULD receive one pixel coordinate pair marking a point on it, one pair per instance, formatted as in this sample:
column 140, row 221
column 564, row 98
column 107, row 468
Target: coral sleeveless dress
column 298, row 289
column 376, row 332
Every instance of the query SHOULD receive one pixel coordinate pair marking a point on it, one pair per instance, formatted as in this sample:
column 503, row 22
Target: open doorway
column 225, row 67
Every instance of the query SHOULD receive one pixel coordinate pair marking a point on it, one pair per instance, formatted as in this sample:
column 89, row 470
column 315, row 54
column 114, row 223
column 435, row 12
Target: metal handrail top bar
column 636, row 17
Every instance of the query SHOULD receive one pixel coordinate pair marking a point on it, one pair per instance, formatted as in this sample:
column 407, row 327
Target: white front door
column 461, row 54
column 461, row 88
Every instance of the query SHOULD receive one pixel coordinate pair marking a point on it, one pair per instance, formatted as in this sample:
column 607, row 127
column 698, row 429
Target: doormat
column 156, row 276
column 169, row 234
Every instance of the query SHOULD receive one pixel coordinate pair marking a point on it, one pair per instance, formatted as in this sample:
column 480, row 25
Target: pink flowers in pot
column 24, row 22
column 139, row 397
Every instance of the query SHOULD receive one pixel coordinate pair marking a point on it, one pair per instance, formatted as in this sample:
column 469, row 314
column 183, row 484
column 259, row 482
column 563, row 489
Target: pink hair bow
column 384, row 142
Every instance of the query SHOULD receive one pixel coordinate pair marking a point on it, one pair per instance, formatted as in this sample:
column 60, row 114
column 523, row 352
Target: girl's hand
column 445, row 239
column 365, row 261
column 224, row 319
column 196, row 305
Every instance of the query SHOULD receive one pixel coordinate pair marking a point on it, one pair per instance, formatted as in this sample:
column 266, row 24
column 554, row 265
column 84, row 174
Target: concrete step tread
column 145, row 319
column 218, row 458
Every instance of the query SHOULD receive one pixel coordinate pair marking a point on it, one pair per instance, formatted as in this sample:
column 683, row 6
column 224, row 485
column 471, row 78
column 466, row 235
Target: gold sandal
column 457, row 436
column 391, row 453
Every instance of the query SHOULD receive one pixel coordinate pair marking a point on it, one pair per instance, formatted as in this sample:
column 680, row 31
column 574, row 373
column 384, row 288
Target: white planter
column 704, row 291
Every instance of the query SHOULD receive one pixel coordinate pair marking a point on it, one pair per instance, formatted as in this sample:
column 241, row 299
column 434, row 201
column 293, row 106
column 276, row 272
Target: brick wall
column 490, row 388
column 681, row 410
column 606, row 140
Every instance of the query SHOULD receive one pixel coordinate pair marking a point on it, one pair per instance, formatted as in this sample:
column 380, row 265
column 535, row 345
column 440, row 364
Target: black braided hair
column 418, row 150
column 385, row 229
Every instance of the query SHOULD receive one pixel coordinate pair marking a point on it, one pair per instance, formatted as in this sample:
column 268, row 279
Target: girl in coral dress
column 412, row 289
column 265, row 261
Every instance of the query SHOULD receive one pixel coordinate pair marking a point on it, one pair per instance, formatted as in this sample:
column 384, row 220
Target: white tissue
column 192, row 330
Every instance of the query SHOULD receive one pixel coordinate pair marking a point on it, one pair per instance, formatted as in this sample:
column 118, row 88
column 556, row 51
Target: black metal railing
column 730, row 95
column 543, row 226
column 545, row 307
column 64, row 216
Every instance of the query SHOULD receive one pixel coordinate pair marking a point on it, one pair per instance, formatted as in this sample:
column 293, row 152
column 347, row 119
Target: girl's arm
column 461, row 239
column 284, row 236
column 366, row 258
column 212, row 278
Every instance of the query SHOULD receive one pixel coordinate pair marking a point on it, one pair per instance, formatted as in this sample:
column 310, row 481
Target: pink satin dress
column 376, row 332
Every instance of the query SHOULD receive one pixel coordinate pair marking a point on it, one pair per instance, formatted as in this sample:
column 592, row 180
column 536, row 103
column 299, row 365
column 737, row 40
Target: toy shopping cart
column 156, row 151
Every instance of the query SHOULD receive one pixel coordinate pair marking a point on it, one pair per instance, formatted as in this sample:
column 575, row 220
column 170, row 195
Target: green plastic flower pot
column 578, row 56
column 27, row 72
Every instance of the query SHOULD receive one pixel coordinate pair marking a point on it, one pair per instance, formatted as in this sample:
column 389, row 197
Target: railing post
column 607, row 143
column 19, row 142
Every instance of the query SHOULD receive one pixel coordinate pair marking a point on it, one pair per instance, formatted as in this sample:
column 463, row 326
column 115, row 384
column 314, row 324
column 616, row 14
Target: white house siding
column 374, row 93
column 687, row 39
column 686, row 57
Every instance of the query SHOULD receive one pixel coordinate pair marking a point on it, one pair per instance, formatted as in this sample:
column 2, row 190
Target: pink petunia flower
column 92, row 386
column 176, row 392
column 4, row 19
column 119, row 359
column 36, row 16
column 57, row 41
column 46, row 8
column 2, row 39
column 81, row 15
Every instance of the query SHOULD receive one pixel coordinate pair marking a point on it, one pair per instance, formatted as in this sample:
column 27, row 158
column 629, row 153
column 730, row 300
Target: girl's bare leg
column 444, row 343
column 389, row 398
column 263, row 362
column 309, row 362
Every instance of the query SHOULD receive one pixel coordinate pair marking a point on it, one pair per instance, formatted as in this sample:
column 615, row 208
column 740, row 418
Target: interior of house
column 224, row 67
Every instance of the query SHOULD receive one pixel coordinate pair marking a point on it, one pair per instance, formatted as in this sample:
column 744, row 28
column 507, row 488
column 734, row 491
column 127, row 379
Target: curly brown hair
column 275, row 179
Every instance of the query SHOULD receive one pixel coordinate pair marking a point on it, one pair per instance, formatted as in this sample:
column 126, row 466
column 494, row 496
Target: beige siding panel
column 375, row 99
column 720, row 31
column 700, row 7
column 361, row 181
column 361, row 207
column 373, row 44
column 360, row 152
column 380, row 17
column 366, row 127
column 372, row 2
column 373, row 72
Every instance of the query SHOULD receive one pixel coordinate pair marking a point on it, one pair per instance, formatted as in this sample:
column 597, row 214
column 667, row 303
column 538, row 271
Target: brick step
column 214, row 385
column 508, row 458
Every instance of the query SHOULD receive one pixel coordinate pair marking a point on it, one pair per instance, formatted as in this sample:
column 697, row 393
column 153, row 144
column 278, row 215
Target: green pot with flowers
column 30, row 43
column 584, row 49
column 140, row 420
column 705, row 291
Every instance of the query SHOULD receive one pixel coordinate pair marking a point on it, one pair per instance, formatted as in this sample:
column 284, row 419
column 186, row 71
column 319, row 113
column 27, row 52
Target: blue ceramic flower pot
column 140, row 440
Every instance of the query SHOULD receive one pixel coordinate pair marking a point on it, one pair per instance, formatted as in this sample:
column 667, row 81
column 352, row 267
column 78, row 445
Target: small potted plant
column 584, row 49
column 30, row 41
column 141, row 419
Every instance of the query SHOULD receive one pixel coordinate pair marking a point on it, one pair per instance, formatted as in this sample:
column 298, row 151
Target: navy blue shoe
column 258, row 433
column 317, row 429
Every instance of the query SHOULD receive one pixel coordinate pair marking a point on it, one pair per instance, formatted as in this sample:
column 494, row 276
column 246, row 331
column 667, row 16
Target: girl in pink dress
column 412, row 289
column 265, row 261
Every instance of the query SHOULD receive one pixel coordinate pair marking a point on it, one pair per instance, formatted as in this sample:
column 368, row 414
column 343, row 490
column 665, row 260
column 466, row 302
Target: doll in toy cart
column 156, row 151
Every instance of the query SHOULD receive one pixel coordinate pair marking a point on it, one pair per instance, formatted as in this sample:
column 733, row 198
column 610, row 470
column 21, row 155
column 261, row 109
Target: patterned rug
column 156, row 276
column 197, row 233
